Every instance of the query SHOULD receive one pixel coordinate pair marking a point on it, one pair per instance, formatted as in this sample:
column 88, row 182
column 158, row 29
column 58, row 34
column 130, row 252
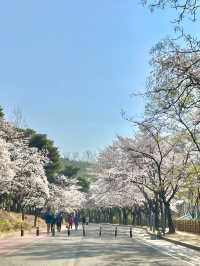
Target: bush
column 130, row 219
column 10, row 221
column 18, row 224
column 5, row 226
column 115, row 220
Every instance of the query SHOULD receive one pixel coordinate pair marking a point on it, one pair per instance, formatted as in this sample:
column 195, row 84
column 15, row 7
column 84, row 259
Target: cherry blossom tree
column 7, row 171
column 149, row 168
column 65, row 195
column 23, row 178
column 173, row 95
column 184, row 8
column 173, row 92
column 161, row 163
column 112, row 189
column 28, row 185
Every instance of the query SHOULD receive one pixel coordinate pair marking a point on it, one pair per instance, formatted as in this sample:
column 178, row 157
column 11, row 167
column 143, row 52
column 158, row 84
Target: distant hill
column 82, row 171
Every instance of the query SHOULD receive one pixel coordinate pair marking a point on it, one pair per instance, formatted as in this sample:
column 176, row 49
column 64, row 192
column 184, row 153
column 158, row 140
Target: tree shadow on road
column 94, row 251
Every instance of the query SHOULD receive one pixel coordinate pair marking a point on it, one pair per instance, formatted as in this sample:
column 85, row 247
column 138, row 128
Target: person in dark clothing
column 53, row 222
column 83, row 220
column 70, row 221
column 48, row 220
column 76, row 221
column 59, row 221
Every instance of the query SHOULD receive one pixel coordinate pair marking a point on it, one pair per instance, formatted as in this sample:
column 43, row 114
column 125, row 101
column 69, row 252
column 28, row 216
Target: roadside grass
column 11, row 222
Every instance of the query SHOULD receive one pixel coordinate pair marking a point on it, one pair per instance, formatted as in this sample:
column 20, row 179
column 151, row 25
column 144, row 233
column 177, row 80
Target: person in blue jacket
column 48, row 219
column 53, row 222
column 59, row 221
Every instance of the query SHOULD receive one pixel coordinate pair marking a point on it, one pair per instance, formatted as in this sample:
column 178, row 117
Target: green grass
column 7, row 226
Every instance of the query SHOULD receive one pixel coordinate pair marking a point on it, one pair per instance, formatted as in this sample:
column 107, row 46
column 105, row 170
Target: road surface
column 92, row 250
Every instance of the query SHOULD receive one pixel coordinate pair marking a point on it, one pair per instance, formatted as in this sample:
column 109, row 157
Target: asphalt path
column 93, row 250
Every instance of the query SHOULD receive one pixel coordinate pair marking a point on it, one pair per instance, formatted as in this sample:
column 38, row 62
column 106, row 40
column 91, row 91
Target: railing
column 190, row 226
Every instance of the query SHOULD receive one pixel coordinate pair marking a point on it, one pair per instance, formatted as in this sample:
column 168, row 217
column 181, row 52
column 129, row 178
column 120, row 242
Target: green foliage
column 77, row 170
column 29, row 132
column 80, row 171
column 43, row 143
column 5, row 226
column 1, row 112
column 189, row 189
column 70, row 171
column 84, row 183
column 115, row 220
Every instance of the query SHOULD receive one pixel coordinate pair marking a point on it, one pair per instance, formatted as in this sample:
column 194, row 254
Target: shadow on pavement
column 93, row 251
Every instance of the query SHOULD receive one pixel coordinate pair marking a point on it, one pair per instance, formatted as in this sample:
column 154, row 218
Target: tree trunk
column 125, row 216
column 163, row 221
column 133, row 216
column 23, row 215
column 111, row 215
column 120, row 216
column 156, row 212
column 35, row 217
column 169, row 218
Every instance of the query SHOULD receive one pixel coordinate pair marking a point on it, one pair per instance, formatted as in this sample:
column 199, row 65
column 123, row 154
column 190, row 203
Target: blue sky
column 70, row 66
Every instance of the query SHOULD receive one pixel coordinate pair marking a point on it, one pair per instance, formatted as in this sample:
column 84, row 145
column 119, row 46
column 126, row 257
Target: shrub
column 115, row 220
column 5, row 226
column 16, row 225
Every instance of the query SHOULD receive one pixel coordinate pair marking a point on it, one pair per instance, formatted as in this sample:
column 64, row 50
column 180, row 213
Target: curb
column 180, row 243
column 177, row 242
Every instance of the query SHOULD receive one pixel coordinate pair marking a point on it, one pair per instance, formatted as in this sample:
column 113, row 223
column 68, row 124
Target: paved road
column 105, row 251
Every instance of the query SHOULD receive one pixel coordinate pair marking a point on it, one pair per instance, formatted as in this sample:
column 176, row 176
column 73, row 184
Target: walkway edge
column 177, row 242
column 180, row 243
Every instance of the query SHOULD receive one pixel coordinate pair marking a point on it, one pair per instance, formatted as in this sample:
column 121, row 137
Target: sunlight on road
column 92, row 250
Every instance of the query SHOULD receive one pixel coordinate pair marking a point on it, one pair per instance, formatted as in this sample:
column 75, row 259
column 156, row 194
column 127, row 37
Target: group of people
column 57, row 219
column 74, row 218
column 53, row 219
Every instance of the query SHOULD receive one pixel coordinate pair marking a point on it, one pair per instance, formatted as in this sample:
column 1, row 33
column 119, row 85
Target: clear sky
column 70, row 66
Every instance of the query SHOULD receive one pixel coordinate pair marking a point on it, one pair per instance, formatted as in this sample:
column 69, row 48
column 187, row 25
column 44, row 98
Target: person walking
column 59, row 221
column 53, row 222
column 83, row 220
column 70, row 221
column 76, row 221
column 48, row 220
